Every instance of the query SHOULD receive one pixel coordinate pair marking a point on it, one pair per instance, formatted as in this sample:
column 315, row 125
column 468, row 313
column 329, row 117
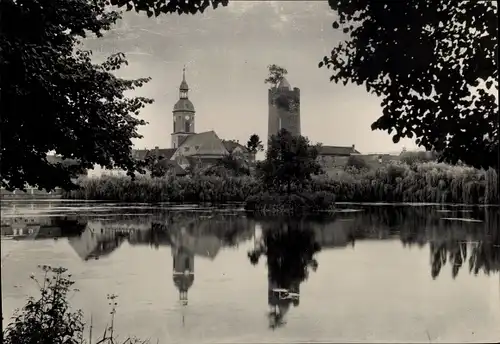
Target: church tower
column 183, row 272
column 284, row 108
column 183, row 115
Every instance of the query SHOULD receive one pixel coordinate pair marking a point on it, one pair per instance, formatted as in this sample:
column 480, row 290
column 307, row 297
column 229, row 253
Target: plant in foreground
column 50, row 320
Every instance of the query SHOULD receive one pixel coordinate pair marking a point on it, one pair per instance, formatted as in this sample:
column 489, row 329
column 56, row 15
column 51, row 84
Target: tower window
column 187, row 126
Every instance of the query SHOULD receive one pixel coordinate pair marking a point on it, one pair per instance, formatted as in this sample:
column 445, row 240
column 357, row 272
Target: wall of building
column 280, row 118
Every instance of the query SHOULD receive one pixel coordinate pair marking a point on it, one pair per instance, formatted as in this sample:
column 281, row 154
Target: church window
column 187, row 125
column 187, row 266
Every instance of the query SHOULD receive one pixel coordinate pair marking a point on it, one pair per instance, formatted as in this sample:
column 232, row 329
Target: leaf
column 320, row 64
column 420, row 58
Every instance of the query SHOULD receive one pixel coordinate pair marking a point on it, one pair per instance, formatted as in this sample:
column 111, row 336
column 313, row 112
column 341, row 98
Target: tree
column 157, row 7
column 231, row 163
column 55, row 99
column 433, row 63
column 155, row 165
column 276, row 74
column 254, row 144
column 289, row 160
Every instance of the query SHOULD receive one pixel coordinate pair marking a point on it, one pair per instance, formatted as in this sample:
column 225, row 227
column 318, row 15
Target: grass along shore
column 424, row 182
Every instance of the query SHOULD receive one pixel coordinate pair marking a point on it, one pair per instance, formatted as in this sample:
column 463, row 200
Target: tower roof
column 184, row 86
column 184, row 105
column 183, row 282
column 284, row 84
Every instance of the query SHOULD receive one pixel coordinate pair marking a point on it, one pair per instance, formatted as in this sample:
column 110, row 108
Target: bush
column 49, row 320
column 295, row 203
column 199, row 188
column 398, row 182
column 356, row 162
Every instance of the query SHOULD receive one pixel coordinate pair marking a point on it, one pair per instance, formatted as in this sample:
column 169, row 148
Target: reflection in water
column 457, row 243
column 289, row 247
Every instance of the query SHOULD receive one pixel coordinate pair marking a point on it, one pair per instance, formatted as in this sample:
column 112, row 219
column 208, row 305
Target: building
column 189, row 148
column 330, row 156
column 284, row 108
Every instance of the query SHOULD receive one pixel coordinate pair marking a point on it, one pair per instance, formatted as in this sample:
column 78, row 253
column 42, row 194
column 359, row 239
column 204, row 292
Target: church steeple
column 183, row 114
column 184, row 88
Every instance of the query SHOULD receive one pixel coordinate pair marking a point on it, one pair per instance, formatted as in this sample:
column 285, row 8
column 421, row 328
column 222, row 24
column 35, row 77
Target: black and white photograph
column 231, row 171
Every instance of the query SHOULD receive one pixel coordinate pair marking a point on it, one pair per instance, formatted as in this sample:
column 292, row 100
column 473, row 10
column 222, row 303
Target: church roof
column 284, row 84
column 184, row 105
column 173, row 166
column 184, row 85
column 208, row 143
column 232, row 145
column 141, row 154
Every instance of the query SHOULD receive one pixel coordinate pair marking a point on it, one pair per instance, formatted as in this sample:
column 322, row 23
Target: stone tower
column 284, row 108
column 183, row 115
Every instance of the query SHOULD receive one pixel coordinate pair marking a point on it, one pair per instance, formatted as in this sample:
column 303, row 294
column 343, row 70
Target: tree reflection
column 290, row 248
column 481, row 249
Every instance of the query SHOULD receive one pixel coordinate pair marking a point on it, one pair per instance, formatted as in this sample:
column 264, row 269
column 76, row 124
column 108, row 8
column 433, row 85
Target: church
column 189, row 148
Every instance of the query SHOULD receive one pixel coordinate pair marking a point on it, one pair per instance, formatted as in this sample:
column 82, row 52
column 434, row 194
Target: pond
column 192, row 274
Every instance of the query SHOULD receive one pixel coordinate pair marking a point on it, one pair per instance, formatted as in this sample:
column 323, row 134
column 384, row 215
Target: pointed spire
column 184, row 88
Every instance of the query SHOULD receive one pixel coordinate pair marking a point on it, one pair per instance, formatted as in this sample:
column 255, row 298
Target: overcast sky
column 226, row 52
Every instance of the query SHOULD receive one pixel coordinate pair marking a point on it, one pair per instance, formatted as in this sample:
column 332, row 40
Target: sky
column 226, row 52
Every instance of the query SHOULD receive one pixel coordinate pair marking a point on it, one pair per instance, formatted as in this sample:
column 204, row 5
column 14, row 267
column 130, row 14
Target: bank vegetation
column 396, row 182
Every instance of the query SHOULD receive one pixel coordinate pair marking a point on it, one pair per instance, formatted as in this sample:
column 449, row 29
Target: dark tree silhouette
column 433, row 63
column 54, row 98
column 290, row 248
column 289, row 160
column 276, row 74
column 254, row 144
column 157, row 7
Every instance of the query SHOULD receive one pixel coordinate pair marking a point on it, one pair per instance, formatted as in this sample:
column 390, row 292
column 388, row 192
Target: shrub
column 49, row 320
column 199, row 188
column 356, row 162
column 397, row 182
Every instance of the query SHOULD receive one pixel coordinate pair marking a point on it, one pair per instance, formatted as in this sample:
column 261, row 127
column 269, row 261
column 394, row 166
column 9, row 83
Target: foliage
column 54, row 98
column 229, row 164
column 154, row 165
column 434, row 64
column 49, row 320
column 424, row 182
column 276, row 74
column 356, row 162
column 427, row 182
column 296, row 203
column 289, row 248
column 254, row 144
column 289, row 160
column 197, row 188
column 411, row 158
column 157, row 7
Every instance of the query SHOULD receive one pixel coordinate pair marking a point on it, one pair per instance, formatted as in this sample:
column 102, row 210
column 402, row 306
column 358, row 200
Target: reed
column 423, row 182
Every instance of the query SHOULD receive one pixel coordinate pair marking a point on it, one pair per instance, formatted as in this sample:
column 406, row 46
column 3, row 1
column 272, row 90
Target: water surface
column 192, row 274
